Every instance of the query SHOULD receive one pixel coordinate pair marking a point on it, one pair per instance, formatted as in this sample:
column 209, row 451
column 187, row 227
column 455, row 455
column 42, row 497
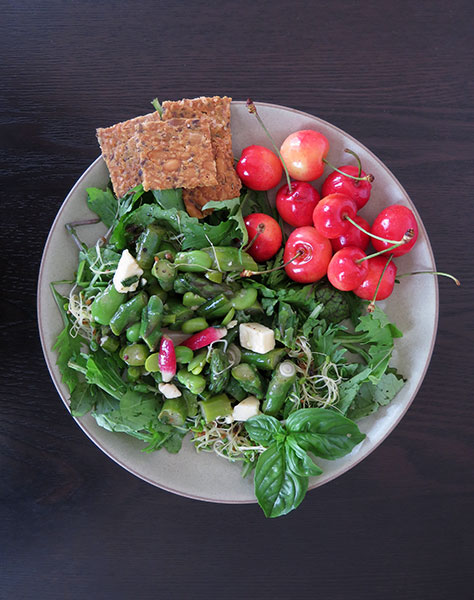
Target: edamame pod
column 278, row 388
column 150, row 326
column 265, row 362
column 194, row 383
column 219, row 371
column 128, row 313
column 106, row 304
column 249, row 379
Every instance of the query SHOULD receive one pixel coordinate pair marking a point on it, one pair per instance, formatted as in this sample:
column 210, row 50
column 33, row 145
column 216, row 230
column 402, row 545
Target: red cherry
column 392, row 223
column 353, row 236
column 304, row 152
column 329, row 215
column 366, row 289
column 296, row 207
column 359, row 191
column 269, row 238
column 311, row 265
column 344, row 272
column 259, row 168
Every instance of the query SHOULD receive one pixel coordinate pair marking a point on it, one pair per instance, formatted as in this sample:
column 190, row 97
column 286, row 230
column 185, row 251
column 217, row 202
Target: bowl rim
column 120, row 462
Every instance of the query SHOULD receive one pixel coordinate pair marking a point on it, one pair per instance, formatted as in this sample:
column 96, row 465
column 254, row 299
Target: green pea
column 134, row 355
column 133, row 333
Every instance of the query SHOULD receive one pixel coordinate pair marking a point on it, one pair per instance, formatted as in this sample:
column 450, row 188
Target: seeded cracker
column 119, row 150
column 217, row 111
column 176, row 153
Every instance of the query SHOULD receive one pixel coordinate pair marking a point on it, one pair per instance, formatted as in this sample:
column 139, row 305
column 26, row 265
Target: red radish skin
column 167, row 359
column 203, row 338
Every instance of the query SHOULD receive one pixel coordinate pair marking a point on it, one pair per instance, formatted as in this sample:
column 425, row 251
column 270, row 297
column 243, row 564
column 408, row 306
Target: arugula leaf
column 286, row 325
column 102, row 371
column 256, row 202
column 139, row 409
column 103, row 203
column 235, row 214
column 66, row 345
column 169, row 198
column 323, row 432
column 277, row 488
column 82, row 400
column 370, row 397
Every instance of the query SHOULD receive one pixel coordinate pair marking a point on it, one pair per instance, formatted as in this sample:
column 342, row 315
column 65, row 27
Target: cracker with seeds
column 217, row 112
column 176, row 154
column 118, row 145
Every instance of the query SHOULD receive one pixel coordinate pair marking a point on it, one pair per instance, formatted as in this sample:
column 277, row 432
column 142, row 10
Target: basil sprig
column 282, row 472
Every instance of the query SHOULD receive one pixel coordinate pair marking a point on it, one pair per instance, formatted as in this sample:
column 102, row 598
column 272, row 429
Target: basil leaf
column 278, row 489
column 298, row 461
column 263, row 429
column 323, row 432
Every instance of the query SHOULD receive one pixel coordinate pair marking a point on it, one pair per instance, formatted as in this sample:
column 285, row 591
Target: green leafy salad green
column 275, row 412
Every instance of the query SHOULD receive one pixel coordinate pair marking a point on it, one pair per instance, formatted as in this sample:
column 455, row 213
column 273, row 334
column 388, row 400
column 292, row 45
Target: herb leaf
column 263, row 429
column 298, row 461
column 103, row 203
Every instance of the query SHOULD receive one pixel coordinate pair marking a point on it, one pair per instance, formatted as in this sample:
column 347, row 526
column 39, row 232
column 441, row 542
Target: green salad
column 171, row 329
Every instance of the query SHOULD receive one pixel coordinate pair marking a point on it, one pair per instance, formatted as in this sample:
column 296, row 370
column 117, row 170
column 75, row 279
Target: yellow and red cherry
column 374, row 278
column 348, row 268
column 331, row 213
column 393, row 223
column 259, row 168
column 309, row 253
column 296, row 206
column 353, row 236
column 357, row 189
column 265, row 236
column 304, row 153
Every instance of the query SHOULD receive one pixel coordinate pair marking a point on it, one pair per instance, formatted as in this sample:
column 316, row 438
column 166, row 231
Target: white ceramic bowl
column 413, row 307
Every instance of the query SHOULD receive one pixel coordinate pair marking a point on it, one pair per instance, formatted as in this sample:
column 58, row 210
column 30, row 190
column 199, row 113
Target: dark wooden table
column 396, row 75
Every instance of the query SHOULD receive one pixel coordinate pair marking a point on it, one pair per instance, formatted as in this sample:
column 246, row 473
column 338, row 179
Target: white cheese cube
column 169, row 390
column 246, row 409
column 127, row 267
column 256, row 337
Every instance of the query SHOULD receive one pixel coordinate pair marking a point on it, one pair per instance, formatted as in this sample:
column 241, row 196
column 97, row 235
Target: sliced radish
column 167, row 359
column 205, row 337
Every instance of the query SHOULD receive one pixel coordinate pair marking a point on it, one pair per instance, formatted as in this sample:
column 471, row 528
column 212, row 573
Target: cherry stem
column 368, row 178
column 253, row 111
column 356, row 156
column 248, row 273
column 371, row 306
column 260, row 230
column 410, row 232
column 455, row 279
column 406, row 238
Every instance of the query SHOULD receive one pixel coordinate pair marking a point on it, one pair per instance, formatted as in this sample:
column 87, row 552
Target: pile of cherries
column 329, row 238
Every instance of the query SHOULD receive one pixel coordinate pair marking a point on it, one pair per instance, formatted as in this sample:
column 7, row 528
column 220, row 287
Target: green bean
column 184, row 355
column 150, row 327
column 164, row 272
column 219, row 371
column 249, row 379
column 175, row 312
column 194, row 383
column 194, row 325
column 278, row 388
column 228, row 318
column 128, row 313
column 174, row 411
column 198, row 363
column 109, row 343
column 147, row 245
column 265, row 362
column 244, row 298
column 195, row 261
column 235, row 390
column 192, row 300
column 134, row 355
column 217, row 406
column 218, row 306
column 226, row 258
column 106, row 304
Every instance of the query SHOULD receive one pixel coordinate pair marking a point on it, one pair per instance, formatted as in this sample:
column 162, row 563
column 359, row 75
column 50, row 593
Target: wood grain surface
column 398, row 76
